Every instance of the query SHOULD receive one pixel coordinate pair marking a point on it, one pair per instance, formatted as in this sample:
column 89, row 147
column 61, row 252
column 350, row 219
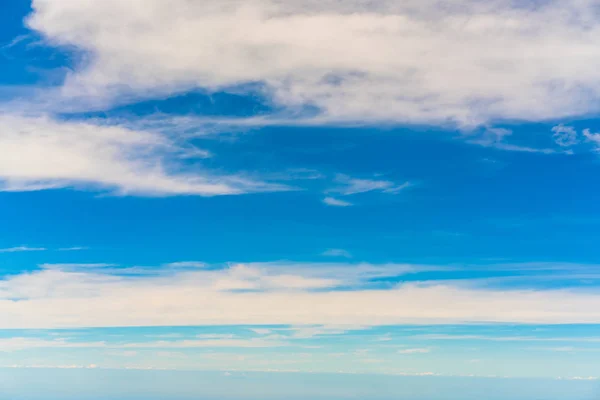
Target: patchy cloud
column 565, row 136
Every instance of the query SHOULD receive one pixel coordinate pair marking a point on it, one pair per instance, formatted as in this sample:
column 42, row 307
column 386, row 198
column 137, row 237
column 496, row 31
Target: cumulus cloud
column 467, row 61
column 251, row 295
column 43, row 153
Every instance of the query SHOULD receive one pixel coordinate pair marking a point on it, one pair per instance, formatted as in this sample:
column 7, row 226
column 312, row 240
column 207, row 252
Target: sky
column 321, row 199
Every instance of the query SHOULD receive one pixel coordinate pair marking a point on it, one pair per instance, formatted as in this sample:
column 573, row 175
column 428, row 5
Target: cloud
column 414, row 351
column 565, row 136
column 331, row 201
column 23, row 343
column 209, row 343
column 582, row 378
column 261, row 331
column 307, row 332
column 349, row 186
column 411, row 61
column 51, row 366
column 593, row 138
column 39, row 153
column 19, row 249
column 337, row 253
column 495, row 137
column 186, row 264
column 75, row 248
column 272, row 295
column 507, row 338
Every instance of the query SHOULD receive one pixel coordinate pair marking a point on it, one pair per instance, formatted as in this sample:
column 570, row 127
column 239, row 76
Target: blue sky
column 360, row 196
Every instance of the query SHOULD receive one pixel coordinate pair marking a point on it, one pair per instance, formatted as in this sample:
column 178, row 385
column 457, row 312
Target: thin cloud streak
column 19, row 249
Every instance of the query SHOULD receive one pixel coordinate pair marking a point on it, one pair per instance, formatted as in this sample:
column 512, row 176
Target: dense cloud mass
column 467, row 62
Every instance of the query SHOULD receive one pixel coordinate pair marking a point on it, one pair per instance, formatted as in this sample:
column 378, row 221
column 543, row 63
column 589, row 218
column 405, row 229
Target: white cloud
column 565, row 136
column 337, row 253
column 338, row 273
column 253, row 295
column 331, row 201
column 414, row 351
column 51, row 366
column 593, row 138
column 74, row 248
column 307, row 332
column 582, row 378
column 186, row 264
column 495, row 137
column 216, row 336
column 357, row 60
column 19, row 249
column 507, row 338
column 348, row 185
column 77, row 266
column 261, row 331
column 127, row 353
column 41, row 153
column 182, row 344
column 21, row 343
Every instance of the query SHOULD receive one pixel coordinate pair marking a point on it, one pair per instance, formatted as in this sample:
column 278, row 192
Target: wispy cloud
column 23, row 343
column 495, row 137
column 332, row 201
column 75, row 248
column 57, row 154
column 337, row 253
column 507, row 338
column 348, row 185
column 186, row 264
column 415, row 351
column 581, row 378
column 21, row 249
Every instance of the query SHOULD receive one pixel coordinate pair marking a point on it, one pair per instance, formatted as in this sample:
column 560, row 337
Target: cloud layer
column 267, row 294
column 414, row 61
